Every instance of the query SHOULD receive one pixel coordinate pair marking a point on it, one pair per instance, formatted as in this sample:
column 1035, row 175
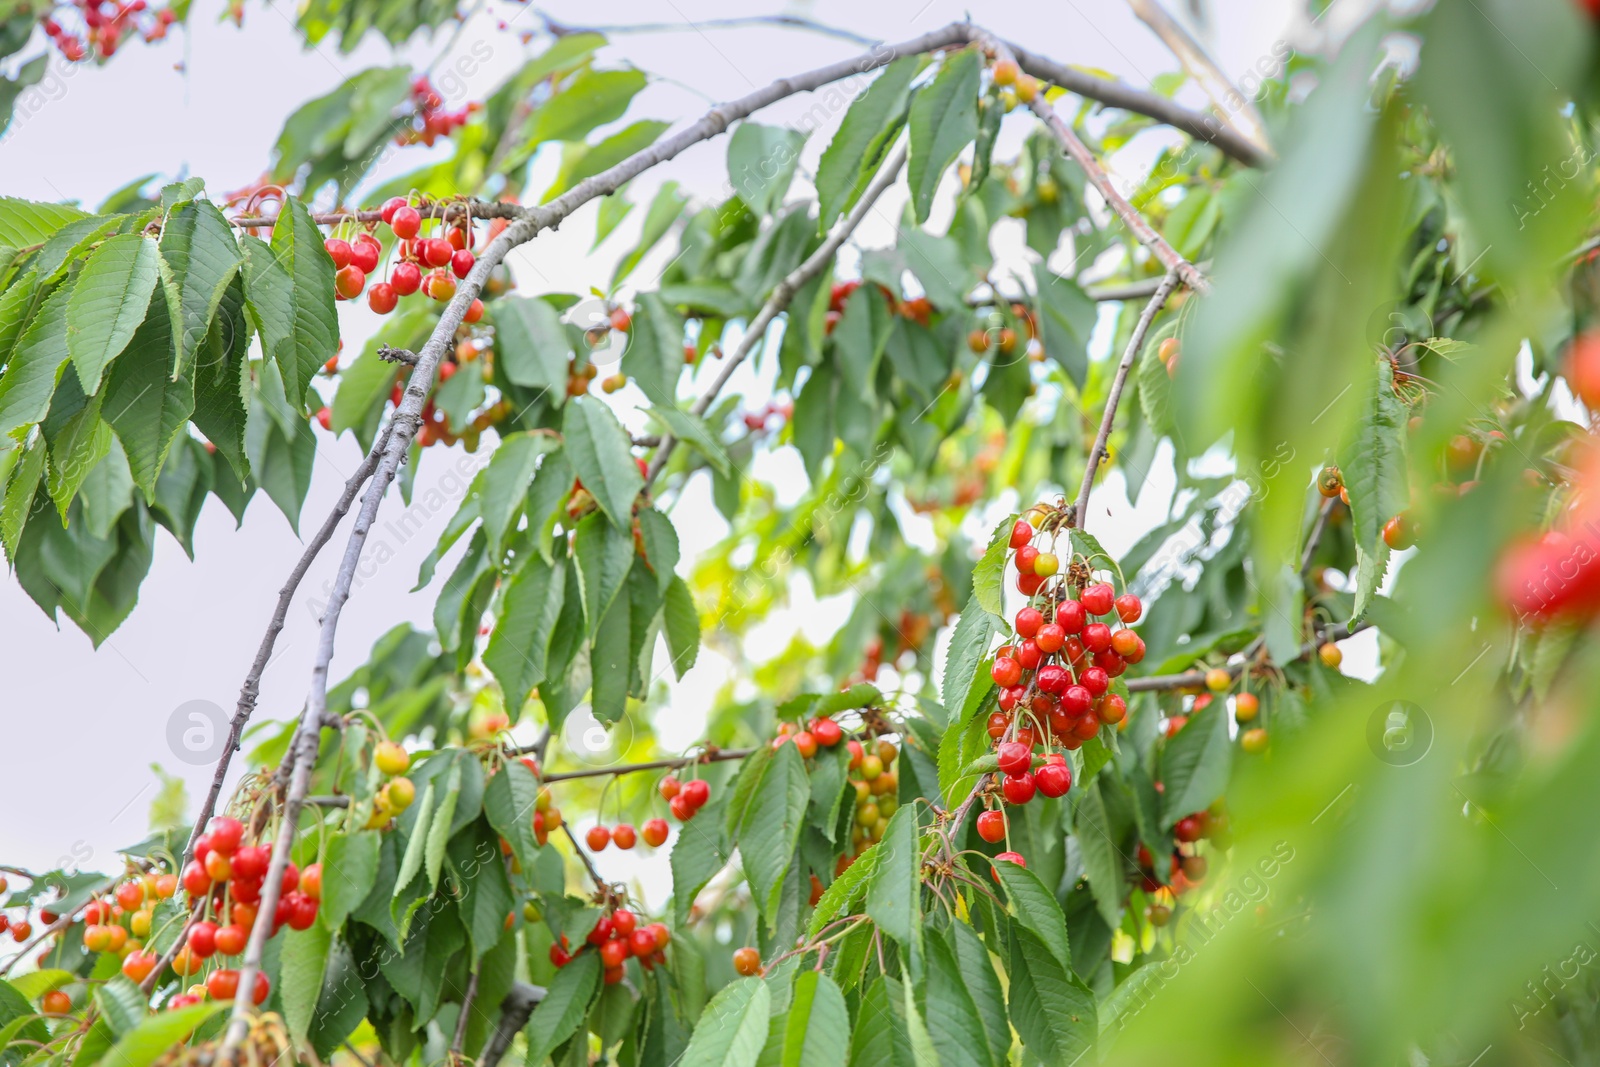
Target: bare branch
column 1158, row 299
column 782, row 294
column 397, row 355
column 797, row 22
column 1197, row 679
column 1236, row 109
column 466, row 1014
column 717, row 756
column 1315, row 537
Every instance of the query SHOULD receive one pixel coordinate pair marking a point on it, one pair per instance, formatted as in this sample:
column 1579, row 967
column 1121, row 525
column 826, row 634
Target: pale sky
column 83, row 726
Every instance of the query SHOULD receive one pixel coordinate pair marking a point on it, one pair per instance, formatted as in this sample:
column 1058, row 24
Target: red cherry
column 1021, row 533
column 559, row 955
column 304, row 913
column 195, row 879
column 669, row 787
column 230, row 940
column 1123, row 642
column 349, row 282
column 390, row 206
column 1086, row 726
column 999, row 722
column 1006, row 671
column 1113, row 709
column 1071, row 616
column 682, row 810
column 474, row 311
column 1053, row 678
column 614, row 953
column 461, row 263
column 1010, row 697
column 436, row 252
column 642, row 942
column 1111, row 663
column 1053, row 779
column 1013, row 758
column 338, row 251
column 1050, row 638
column 1097, row 637
column 382, row 298
column 223, row 984
column 225, row 833
column 1007, row 857
column 203, row 939
column 1187, row 829
column 364, row 253
column 406, row 278
column 697, row 791
column 1025, row 557
column 827, row 732
column 992, row 825
column 598, row 837
column 1018, row 788
column 1095, row 680
column 623, row 835
column 439, row 285
column 1029, row 583
column 623, row 922
column 1098, row 599
column 1028, row 622
column 1076, row 700
column 406, row 222
column 1128, row 608
column 601, row 932
column 654, row 833
column 250, row 863
column 1029, row 655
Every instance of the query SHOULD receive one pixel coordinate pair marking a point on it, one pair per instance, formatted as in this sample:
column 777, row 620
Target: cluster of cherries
column 107, row 24
column 445, row 257
column 877, row 786
column 918, row 309
column 1187, row 866
column 618, row 937
column 624, row 836
column 683, row 799
column 432, row 120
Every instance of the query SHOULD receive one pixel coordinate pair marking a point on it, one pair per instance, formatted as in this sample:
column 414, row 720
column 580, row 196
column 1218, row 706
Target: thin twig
column 1069, row 140
column 466, row 1013
column 718, row 756
column 797, row 22
column 1315, row 536
column 782, row 294
column 1236, row 109
column 397, row 355
column 252, row 681
column 1135, row 343
column 1197, row 679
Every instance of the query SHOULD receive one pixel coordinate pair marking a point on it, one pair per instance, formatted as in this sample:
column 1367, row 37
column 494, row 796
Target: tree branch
column 1242, row 116
column 797, row 22
column 717, row 756
column 577, row 846
column 1197, row 679
column 782, row 294
column 1196, row 124
column 466, row 1014
column 1142, row 231
column 1135, row 343
column 1315, row 537
column 477, row 209
column 515, row 1009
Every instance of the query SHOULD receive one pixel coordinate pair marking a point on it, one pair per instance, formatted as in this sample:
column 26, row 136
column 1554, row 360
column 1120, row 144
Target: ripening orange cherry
column 391, row 758
column 747, row 961
column 1330, row 655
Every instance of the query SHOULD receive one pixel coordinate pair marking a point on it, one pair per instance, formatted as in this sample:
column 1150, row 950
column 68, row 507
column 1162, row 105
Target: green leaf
column 860, row 338
column 1195, row 764
column 881, row 1039
column 761, row 162
column 30, row 377
column 78, row 447
column 1374, row 463
column 770, row 829
column 1371, row 565
column 964, row 660
column 439, row 827
column 858, row 148
column 509, row 802
column 817, row 1033
column 20, row 490
column 613, row 650
column 664, row 210
column 1053, row 1012
column 144, row 404
column 160, row 1034
column 843, row 892
column 220, row 375
column 416, row 841
column 531, row 346
column 505, row 483
column 591, row 99
column 682, row 626
column 108, row 303
column 301, row 966
column 198, row 259
column 580, row 161
column 952, row 1016
column 988, row 577
column 604, row 554
column 894, row 893
column 963, row 742
column 122, row 1003
column 564, row 1006
column 1155, row 383
column 349, row 871
column 26, row 222
column 732, row 1029
column 602, row 454
column 1102, row 861
column 700, row 851
column 1035, row 907
column 519, row 647
column 977, row 973
column 693, row 431
column 289, row 291
column 1067, row 317
column 944, row 120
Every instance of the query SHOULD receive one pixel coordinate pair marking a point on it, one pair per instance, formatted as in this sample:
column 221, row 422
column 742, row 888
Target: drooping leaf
column 894, row 897
column 770, row 829
column 601, row 452
column 943, row 121
column 564, row 1006
column 144, row 404
column 857, row 149
column 108, row 303
column 198, row 259
column 733, row 1027
column 1195, row 764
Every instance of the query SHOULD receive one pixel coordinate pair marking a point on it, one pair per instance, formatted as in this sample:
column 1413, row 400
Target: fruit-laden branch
column 449, row 211
column 1158, row 300
column 515, row 1009
column 1142, row 230
column 1197, row 679
column 1196, row 124
column 782, row 294
column 716, row 756
column 252, row 681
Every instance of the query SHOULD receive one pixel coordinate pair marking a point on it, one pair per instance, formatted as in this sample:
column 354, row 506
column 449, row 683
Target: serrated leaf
column 817, row 1032
column 1035, row 907
column 1195, row 764
column 692, row 431
column 564, row 1006
column 198, row 259
column 349, row 871
column 159, row 1034
column 603, row 553
column 761, row 163
column 289, row 291
column 977, row 972
column 1053, row 1012
column 844, row 891
column 509, row 801
column 1102, row 862
column 701, row 851
column 1374, row 463
column 952, row 1018
column 961, row 744
column 144, row 404
column 770, row 829
column 733, row 1027
column 531, row 346
column 417, row 842
column 518, row 650
column 894, row 892
column 857, row 149
column 602, row 454
column 439, row 827
column 988, row 577
column 505, row 483
column 681, row 623
column 122, row 1003
column 943, row 121
column 964, row 660
column 300, row 970
column 108, row 303
column 27, row 222
column 31, row 374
